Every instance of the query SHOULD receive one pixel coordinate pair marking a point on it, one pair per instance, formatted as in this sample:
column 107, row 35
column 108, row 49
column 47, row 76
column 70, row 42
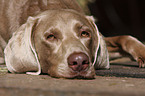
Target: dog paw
column 141, row 62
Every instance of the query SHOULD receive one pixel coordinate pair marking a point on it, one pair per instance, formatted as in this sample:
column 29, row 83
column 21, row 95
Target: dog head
column 62, row 43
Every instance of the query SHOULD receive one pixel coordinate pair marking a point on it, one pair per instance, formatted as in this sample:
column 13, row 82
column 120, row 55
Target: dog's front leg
column 127, row 45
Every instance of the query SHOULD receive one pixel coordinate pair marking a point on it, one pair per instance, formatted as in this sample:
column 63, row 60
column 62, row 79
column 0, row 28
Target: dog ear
column 20, row 56
column 100, row 52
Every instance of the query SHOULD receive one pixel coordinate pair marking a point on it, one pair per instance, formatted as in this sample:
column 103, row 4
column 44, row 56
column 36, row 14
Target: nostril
column 85, row 62
column 74, row 63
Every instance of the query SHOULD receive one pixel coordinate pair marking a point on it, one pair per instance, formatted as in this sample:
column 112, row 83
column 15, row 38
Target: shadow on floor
column 129, row 69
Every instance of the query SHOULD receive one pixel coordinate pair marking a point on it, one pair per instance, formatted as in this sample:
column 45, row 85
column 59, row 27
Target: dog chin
column 81, row 75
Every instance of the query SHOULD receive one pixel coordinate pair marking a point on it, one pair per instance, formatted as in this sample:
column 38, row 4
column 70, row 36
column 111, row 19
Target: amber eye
column 50, row 37
column 85, row 34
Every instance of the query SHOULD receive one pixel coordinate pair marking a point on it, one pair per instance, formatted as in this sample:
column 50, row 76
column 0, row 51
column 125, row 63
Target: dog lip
column 72, row 71
column 80, row 75
column 74, row 75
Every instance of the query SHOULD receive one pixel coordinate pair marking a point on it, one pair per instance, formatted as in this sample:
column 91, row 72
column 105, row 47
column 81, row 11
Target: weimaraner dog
column 57, row 38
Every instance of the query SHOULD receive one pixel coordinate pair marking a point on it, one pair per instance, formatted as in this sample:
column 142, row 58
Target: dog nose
column 78, row 61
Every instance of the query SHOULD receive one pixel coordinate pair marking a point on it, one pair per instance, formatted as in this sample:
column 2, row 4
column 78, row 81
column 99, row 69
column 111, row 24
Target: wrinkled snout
column 78, row 62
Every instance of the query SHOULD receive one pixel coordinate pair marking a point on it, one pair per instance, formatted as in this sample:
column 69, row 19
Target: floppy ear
column 20, row 56
column 100, row 52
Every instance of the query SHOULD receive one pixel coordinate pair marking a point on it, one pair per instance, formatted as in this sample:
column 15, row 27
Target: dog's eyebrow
column 79, row 26
column 55, row 31
column 85, row 28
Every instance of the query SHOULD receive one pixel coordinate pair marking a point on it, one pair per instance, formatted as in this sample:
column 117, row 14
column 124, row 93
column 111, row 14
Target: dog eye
column 85, row 34
column 50, row 37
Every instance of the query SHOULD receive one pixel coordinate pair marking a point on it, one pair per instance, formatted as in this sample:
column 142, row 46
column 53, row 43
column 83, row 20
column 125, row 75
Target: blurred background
column 118, row 17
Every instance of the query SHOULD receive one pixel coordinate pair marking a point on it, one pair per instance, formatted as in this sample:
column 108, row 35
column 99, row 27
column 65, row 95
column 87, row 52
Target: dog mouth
column 81, row 76
column 89, row 73
column 70, row 74
column 76, row 76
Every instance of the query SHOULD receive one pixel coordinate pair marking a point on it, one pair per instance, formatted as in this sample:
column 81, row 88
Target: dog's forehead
column 63, row 19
